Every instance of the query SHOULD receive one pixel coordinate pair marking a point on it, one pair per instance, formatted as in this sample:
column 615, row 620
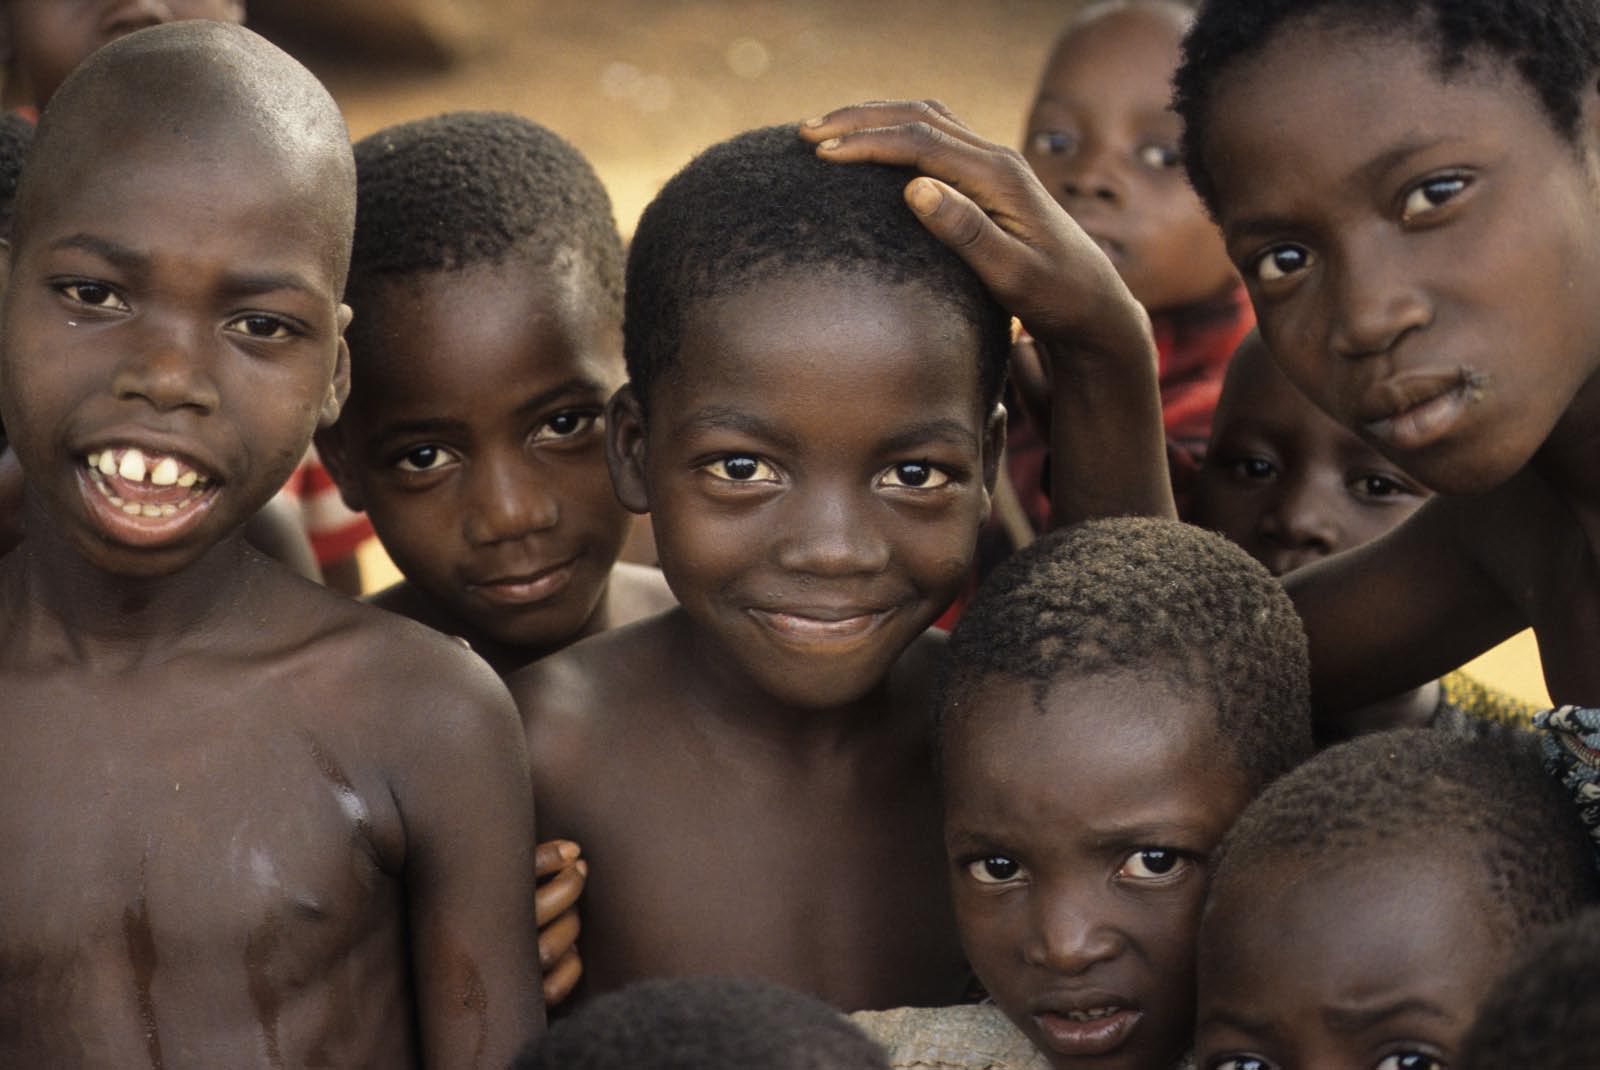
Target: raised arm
column 1108, row 449
column 1397, row 612
column 463, row 789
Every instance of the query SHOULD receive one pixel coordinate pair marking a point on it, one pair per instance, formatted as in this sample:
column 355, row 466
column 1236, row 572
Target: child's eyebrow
column 1360, row 1019
column 726, row 418
column 943, row 429
column 242, row 284
column 578, row 384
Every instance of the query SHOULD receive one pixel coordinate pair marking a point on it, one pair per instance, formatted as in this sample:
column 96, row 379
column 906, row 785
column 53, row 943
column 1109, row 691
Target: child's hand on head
column 984, row 201
column 562, row 874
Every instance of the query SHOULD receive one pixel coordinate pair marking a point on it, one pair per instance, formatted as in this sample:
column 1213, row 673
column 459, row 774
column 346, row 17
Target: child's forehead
column 1101, row 41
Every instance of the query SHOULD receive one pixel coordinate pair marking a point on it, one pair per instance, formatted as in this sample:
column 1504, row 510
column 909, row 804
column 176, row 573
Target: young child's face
column 1417, row 249
column 473, row 438
column 1286, row 482
column 48, row 38
column 173, row 321
column 1104, row 140
column 1371, row 964
column 816, row 468
column 1078, row 836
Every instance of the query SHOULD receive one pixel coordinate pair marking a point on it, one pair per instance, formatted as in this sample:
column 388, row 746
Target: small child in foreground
column 1284, row 480
column 1412, row 194
column 1545, row 1013
column 1364, row 906
column 249, row 822
column 1116, row 694
column 705, row 1023
column 487, row 284
column 812, row 421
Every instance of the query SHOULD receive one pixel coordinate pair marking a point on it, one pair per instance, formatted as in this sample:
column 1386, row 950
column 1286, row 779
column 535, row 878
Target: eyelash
column 933, row 477
column 80, row 291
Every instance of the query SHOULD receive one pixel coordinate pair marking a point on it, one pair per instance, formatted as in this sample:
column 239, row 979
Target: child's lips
column 1416, row 412
column 1083, row 1029
column 144, row 496
column 526, row 588
column 821, row 623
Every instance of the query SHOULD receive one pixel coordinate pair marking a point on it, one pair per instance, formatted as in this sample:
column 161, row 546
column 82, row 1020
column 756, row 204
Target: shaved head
column 201, row 92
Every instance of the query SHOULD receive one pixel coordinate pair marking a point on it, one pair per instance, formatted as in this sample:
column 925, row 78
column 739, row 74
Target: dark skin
column 1412, row 258
column 309, row 822
column 1103, row 138
column 43, row 40
column 1283, row 480
column 1079, row 830
column 816, row 494
column 474, row 439
column 1366, row 963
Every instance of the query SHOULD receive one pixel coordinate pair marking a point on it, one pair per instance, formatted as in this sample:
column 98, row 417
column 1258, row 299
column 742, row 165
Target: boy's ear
column 340, row 465
column 994, row 445
column 625, row 450
column 339, row 387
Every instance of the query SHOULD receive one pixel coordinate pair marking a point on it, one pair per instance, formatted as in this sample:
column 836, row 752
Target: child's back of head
column 1381, row 888
column 1116, row 693
column 705, row 1024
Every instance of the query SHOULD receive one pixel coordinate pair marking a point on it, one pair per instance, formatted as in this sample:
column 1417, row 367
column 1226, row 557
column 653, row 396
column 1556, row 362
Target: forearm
column 1108, row 452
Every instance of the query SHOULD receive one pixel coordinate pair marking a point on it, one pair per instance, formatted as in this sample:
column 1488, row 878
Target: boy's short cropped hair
column 1545, row 1013
column 705, row 1023
column 763, row 203
column 1145, row 596
column 15, row 135
column 468, row 188
column 1554, row 45
column 1415, row 790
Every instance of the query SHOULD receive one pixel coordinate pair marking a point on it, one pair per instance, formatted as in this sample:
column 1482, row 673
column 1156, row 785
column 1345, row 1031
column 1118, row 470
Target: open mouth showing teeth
column 1090, row 1016
column 144, row 484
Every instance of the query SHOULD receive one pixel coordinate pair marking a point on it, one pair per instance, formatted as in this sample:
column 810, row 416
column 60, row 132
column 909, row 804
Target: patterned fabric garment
column 1572, row 753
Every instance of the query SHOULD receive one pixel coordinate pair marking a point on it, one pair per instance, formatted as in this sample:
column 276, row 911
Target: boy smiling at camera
column 812, row 422
column 250, row 822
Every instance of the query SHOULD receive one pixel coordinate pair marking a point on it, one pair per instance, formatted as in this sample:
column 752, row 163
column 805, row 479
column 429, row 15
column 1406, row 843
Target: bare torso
column 722, row 847
column 207, row 863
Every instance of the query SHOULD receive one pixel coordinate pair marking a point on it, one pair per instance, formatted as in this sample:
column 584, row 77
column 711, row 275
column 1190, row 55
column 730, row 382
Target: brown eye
column 996, row 869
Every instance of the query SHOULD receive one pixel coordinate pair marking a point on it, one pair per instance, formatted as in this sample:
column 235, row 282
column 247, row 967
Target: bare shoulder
column 637, row 592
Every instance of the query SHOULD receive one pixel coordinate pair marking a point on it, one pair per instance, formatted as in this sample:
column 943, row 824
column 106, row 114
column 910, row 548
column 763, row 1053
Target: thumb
column 952, row 217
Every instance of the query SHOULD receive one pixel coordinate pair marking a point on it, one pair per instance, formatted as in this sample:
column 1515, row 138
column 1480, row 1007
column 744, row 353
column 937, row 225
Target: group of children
column 273, row 826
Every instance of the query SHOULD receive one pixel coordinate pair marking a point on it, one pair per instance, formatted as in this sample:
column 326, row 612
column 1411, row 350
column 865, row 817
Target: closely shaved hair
column 207, row 87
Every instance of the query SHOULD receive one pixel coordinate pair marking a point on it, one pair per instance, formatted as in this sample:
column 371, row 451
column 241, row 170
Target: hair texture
column 705, row 1024
column 1152, row 597
column 203, row 88
column 1417, row 790
column 16, row 133
column 1545, row 1013
column 471, row 188
column 763, row 204
column 1554, row 45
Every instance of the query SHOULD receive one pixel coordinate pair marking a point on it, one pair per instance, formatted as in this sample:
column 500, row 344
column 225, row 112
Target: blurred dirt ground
column 640, row 86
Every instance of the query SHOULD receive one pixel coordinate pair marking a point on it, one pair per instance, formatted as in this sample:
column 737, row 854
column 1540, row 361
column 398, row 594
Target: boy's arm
column 1398, row 612
column 1108, row 449
column 463, row 790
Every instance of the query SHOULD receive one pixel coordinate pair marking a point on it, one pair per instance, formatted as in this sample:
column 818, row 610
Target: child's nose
column 1091, row 174
column 1376, row 303
column 1299, row 518
column 169, row 371
column 828, row 533
column 1069, row 936
column 506, row 502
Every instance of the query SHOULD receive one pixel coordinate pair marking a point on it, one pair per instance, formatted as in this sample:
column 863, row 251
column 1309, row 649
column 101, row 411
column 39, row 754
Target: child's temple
column 647, row 563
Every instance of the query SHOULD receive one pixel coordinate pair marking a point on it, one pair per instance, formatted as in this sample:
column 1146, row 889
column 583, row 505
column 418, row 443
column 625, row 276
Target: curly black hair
column 1433, row 793
column 15, row 135
column 762, row 204
column 1546, row 1011
column 705, row 1023
column 470, row 188
column 1145, row 596
column 1553, row 44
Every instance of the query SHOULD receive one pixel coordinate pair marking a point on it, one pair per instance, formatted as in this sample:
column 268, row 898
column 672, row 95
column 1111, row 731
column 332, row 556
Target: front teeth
column 132, row 467
column 1090, row 1016
column 135, row 467
column 106, row 463
column 165, row 473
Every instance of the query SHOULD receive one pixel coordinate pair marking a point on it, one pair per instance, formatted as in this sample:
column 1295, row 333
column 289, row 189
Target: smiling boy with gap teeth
column 248, row 822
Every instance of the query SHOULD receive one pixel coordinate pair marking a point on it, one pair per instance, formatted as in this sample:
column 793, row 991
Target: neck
column 1567, row 461
column 71, row 611
column 409, row 600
